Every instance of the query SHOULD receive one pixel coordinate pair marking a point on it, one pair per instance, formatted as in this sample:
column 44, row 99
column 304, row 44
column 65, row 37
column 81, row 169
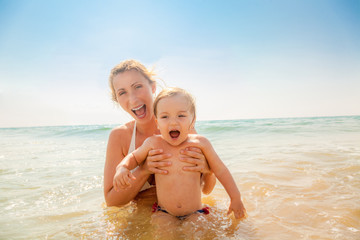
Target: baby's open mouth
column 174, row 133
column 139, row 111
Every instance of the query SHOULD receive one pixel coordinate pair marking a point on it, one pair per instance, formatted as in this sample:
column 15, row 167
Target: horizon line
column 235, row 119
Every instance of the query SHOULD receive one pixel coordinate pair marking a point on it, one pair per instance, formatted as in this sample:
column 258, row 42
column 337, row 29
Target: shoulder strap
column 132, row 142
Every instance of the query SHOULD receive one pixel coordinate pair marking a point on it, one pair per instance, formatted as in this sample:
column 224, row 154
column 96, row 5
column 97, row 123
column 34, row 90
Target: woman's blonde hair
column 129, row 65
column 173, row 91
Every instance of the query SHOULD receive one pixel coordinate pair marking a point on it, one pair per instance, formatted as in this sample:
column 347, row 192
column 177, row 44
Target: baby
column 178, row 192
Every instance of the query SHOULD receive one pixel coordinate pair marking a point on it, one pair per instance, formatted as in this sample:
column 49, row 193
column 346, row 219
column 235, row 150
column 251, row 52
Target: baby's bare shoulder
column 154, row 138
column 198, row 139
column 153, row 141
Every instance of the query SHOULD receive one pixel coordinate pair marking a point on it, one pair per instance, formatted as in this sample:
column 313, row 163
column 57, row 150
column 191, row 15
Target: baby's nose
column 173, row 121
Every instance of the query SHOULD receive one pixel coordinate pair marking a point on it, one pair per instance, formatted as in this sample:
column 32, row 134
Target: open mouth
column 174, row 134
column 140, row 112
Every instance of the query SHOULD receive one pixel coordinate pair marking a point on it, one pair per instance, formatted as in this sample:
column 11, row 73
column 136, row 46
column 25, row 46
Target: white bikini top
column 131, row 149
column 132, row 141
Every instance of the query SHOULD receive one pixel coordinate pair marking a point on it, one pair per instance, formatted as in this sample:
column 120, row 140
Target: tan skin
column 133, row 91
column 179, row 192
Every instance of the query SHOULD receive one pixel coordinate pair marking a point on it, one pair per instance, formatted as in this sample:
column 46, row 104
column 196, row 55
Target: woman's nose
column 132, row 98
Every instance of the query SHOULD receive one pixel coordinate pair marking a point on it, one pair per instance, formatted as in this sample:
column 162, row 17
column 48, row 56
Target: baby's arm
column 223, row 174
column 123, row 174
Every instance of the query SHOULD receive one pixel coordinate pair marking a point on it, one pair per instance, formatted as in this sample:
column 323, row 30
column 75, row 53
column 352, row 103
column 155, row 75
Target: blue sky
column 240, row 59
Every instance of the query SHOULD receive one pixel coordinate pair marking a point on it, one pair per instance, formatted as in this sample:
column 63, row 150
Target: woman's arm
column 208, row 181
column 195, row 156
column 138, row 156
column 123, row 176
column 114, row 155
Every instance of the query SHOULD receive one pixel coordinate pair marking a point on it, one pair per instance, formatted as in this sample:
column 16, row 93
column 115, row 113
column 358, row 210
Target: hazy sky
column 240, row 59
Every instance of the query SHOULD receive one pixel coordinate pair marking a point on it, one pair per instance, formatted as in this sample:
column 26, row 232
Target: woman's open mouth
column 174, row 134
column 140, row 112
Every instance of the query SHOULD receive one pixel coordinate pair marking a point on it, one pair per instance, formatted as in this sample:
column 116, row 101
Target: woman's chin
column 142, row 117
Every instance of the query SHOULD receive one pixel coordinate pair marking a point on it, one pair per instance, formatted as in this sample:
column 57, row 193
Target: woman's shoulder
column 122, row 133
column 127, row 127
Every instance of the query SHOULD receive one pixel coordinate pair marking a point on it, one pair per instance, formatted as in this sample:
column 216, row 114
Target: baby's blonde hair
column 129, row 65
column 173, row 91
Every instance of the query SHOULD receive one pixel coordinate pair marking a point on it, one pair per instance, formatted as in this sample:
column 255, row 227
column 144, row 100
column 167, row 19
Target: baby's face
column 174, row 119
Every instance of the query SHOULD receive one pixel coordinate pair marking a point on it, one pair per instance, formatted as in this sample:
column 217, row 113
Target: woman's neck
column 147, row 129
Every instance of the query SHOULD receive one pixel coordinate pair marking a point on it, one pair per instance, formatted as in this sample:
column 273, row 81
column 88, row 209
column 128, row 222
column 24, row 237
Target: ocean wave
column 59, row 131
column 81, row 131
column 282, row 125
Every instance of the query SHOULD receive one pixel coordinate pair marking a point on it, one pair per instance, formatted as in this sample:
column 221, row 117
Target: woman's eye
column 138, row 86
column 121, row 93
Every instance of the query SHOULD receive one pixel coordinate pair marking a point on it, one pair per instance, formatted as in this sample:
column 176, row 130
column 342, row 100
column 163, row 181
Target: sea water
column 299, row 179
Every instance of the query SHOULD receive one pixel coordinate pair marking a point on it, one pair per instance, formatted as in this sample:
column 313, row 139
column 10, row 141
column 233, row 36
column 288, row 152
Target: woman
column 133, row 88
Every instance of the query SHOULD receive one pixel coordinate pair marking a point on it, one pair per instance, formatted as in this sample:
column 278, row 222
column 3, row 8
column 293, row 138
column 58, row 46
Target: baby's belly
column 179, row 195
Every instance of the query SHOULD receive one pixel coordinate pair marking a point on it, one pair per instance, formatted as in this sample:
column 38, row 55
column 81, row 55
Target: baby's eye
column 182, row 115
column 163, row 117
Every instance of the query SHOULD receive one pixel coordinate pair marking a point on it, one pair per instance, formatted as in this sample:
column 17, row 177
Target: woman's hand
column 155, row 161
column 194, row 156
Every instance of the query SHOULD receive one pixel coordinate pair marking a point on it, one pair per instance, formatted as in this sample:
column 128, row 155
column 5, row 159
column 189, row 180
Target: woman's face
column 134, row 93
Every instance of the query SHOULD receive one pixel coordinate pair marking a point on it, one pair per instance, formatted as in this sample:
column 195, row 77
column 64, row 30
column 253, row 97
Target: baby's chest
column 178, row 164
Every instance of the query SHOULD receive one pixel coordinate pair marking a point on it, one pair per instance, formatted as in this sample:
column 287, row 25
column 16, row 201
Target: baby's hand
column 238, row 208
column 122, row 178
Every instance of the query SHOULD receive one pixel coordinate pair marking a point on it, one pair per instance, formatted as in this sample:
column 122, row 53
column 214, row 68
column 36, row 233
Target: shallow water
column 299, row 179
